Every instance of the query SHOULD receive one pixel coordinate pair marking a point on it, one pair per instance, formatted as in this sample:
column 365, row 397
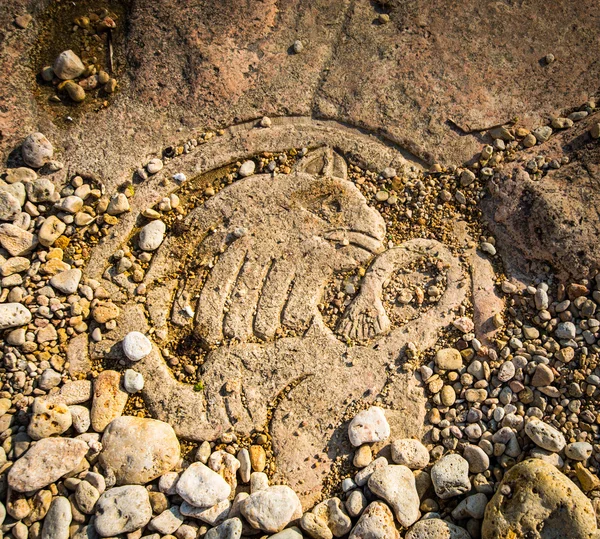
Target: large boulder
column 536, row 500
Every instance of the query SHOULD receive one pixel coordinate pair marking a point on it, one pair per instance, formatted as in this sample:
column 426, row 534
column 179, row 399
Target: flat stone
column 152, row 235
column 376, row 522
column 48, row 419
column 410, row 453
column 450, row 476
column 36, row 150
column 545, row 435
column 13, row 315
column 136, row 346
column 122, row 510
column 369, row 426
column 213, row 515
column 46, row 462
column 535, row 499
column 436, row 528
column 168, row 521
column 15, row 240
column 272, row 509
column 396, row 485
column 58, row 519
column 138, row 450
column 67, row 281
column 448, row 359
column 202, row 487
column 109, row 399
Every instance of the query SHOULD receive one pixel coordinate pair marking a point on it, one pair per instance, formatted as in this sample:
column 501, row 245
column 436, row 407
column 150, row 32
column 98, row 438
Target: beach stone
column 272, row 509
column 410, row 453
column 167, row 522
column 133, row 381
column 247, row 168
column 36, row 150
column 436, row 528
column 40, row 190
column 49, row 379
column 579, row 451
column 86, row 496
column 13, row 315
column 545, row 435
column 565, row 330
column 535, row 499
column 136, row 346
column 9, row 206
column 226, row 465
column 15, row 240
column 230, row 529
column 376, row 522
column 46, row 462
column 152, row 235
column 472, row 506
column 543, row 376
column 122, row 510
column 477, row 458
column 396, row 485
column 333, row 514
column 138, row 450
column 109, row 399
column 67, row 281
column 448, row 359
column 245, row 465
column 118, row 204
column 368, row 426
column 51, row 230
column 213, row 515
column 58, row 519
column 48, row 418
column 450, row 476
column 81, row 418
column 20, row 174
column 154, row 165
column 68, row 65
column 202, row 487
column 356, row 503
column 16, row 264
column 315, row 526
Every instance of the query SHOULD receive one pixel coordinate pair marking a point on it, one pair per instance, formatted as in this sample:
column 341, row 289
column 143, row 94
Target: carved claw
column 365, row 318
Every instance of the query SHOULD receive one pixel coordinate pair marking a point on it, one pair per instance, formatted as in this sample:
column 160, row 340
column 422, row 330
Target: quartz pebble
column 247, row 168
column 368, row 426
column 152, row 235
column 272, row 509
column 68, row 65
column 136, row 346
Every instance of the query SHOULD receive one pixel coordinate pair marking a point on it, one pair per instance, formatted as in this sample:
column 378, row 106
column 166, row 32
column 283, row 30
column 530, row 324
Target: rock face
column 272, row 509
column 138, row 450
column 376, row 522
column 542, row 502
column 48, row 460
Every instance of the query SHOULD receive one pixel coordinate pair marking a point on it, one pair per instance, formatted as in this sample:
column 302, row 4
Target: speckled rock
column 271, row 510
column 376, row 522
column 450, row 476
column 368, row 426
column 13, row 315
column 138, row 450
column 122, row 510
column 58, row 519
column 411, row 453
column 48, row 419
column 201, row 487
column 109, row 399
column 436, row 528
column 545, row 435
column 537, row 500
column 396, row 485
column 36, row 150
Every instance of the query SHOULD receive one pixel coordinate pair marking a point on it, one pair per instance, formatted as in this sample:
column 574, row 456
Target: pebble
column 247, row 168
column 202, row 487
column 86, row 496
column 109, row 399
column 542, row 134
column 363, row 475
column 138, row 450
column 152, row 235
column 579, row 451
column 595, row 131
column 245, row 470
column 450, row 476
column 136, row 346
column 258, row 458
column 448, row 359
column 529, row 141
column 40, row 190
column 544, row 435
column 74, row 91
column 122, row 510
column 13, row 315
column 376, row 522
column 472, row 506
column 167, row 522
column 272, row 509
column 356, row 503
column 410, row 453
column 396, row 485
column 368, row 426
column 213, row 516
column 231, row 529
column 542, row 376
column 68, row 65
column 67, row 281
column 45, row 462
column 154, row 165
column 36, row 150
column 333, row 513
column 51, row 229
column 118, row 204
column 436, row 528
column 15, row 240
column 58, row 519
column 48, row 418
column 70, row 204
column 477, row 458
column 23, row 21
column 9, row 206
column 362, row 457
column 315, row 527
column 297, row 46
column 133, row 381
column 565, row 330
column 81, row 418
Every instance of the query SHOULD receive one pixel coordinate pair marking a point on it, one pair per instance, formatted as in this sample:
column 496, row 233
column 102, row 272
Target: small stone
column 586, row 478
column 297, row 46
column 13, row 315
column 36, row 150
column 245, row 465
column 75, row 91
column 122, row 510
column 247, row 168
column 86, row 496
column 396, row 485
column 488, row 248
column 410, row 453
column 272, row 509
column 436, row 528
column 23, row 21
column 230, row 529
column 477, row 458
column 450, row 476
column 362, row 456
column 543, row 376
column 333, row 513
column 363, row 475
column 51, row 230
column 118, row 204
column 154, row 165
column 258, row 458
column 70, row 204
column 506, row 371
column 356, row 503
column 58, row 519
column 15, row 240
column 369, row 426
column 448, row 395
column 136, row 346
column 544, row 435
column 167, row 522
column 315, row 527
column 448, row 359
column 9, row 206
column 542, row 134
column 133, row 381
column 68, row 65
column 213, row 515
column 467, row 177
column 67, row 281
column 81, row 418
column 565, row 330
column 202, row 487
column 265, row 121
column 152, row 235
column 579, row 451
column 40, row 190
column 529, row 141
column 48, row 418
column 45, row 462
column 109, row 399
column 376, row 522
column 595, row 131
